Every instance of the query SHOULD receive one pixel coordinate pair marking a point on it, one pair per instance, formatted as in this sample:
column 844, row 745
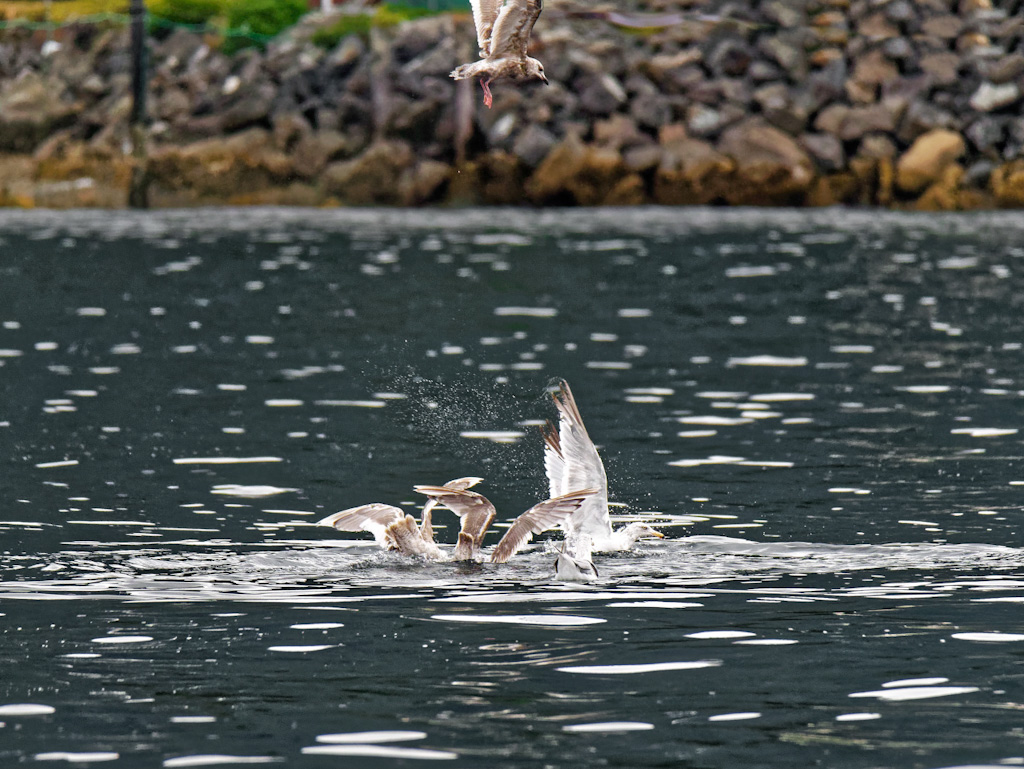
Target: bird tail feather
column 465, row 71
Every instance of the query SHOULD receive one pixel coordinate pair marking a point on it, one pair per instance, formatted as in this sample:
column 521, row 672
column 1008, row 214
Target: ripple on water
column 495, row 436
column 609, row 727
column 58, row 463
column 380, row 751
column 217, row 759
column 989, row 637
column 654, row 667
column 984, row 432
column 903, row 694
column 767, row 360
column 224, row 460
column 903, row 682
column 26, row 709
column 767, row 642
column 529, row 312
column 550, row 620
column 77, row 758
column 364, row 738
column 654, row 605
column 359, row 404
column 248, row 492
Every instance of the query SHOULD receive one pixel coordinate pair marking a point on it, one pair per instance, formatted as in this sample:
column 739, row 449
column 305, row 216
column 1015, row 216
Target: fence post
column 138, row 192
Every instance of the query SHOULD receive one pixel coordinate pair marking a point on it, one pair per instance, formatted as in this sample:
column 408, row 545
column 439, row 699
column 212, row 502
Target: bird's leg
column 485, row 84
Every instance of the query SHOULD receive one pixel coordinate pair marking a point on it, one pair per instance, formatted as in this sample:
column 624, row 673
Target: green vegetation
column 238, row 23
column 349, row 24
column 59, row 12
column 194, row 12
column 251, row 20
column 387, row 15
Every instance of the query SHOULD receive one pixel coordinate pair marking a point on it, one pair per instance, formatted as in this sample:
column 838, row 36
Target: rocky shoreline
column 895, row 103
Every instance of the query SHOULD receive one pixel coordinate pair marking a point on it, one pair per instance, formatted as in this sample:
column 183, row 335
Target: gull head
column 534, row 70
column 626, row 537
column 646, row 531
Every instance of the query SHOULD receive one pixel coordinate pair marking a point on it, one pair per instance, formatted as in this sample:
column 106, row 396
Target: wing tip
column 566, row 403
column 507, row 548
column 550, row 434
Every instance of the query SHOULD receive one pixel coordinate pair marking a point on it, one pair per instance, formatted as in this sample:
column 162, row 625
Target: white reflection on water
column 363, row 738
column 989, row 637
column 545, row 620
column 217, row 759
column 224, row 460
column 78, row 758
column 903, row 682
column 122, row 639
column 26, row 709
column 248, row 492
column 652, row 667
column 609, row 727
column 916, row 692
column 740, row 716
column 379, row 751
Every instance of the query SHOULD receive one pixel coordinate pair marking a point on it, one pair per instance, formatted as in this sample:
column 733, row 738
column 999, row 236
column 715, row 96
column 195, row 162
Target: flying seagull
column 503, row 30
column 477, row 512
column 571, row 461
column 393, row 528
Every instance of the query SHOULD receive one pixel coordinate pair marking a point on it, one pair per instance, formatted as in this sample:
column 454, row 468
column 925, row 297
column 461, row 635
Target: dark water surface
column 821, row 411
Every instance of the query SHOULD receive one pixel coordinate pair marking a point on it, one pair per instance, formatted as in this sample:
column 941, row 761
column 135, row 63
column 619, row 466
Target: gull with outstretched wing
column 477, row 513
column 503, row 29
column 571, row 461
column 392, row 528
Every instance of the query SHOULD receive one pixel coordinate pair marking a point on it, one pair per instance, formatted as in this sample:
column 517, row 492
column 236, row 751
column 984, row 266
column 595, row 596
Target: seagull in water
column 571, row 461
column 569, row 569
column 477, row 512
column 393, row 528
column 503, row 30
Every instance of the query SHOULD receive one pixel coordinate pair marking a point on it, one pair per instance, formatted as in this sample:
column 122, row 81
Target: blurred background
column 900, row 103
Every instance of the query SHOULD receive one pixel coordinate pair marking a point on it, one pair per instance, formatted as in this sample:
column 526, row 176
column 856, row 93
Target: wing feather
column 541, row 517
column 426, row 522
column 554, row 462
column 485, row 12
column 512, row 29
column 582, row 468
column 475, row 510
column 374, row 518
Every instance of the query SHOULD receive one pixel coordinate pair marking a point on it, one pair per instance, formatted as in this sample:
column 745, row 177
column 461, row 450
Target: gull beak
column 657, row 534
column 545, row 80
